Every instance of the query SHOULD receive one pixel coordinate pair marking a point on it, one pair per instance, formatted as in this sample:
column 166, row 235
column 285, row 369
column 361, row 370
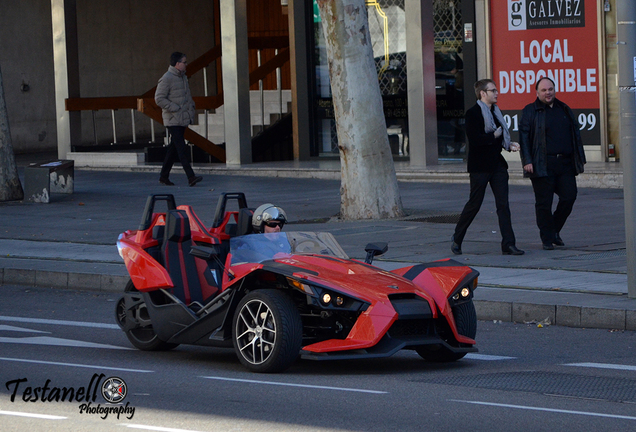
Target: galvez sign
column 553, row 38
column 538, row 14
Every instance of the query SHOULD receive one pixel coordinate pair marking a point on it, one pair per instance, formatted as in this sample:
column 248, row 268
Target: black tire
column 466, row 323
column 466, row 319
column 143, row 336
column 267, row 331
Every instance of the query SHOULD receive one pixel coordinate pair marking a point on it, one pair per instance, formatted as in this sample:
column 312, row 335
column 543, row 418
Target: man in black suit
column 487, row 135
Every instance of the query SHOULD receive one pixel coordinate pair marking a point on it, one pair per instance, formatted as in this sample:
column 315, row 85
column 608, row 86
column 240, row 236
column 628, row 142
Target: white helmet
column 267, row 213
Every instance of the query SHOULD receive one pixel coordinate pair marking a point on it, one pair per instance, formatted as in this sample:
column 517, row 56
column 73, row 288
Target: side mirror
column 375, row 249
column 205, row 252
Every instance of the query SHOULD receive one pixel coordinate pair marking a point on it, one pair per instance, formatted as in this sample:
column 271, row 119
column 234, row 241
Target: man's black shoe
column 512, row 250
column 455, row 248
column 194, row 180
column 165, row 181
column 557, row 240
column 548, row 246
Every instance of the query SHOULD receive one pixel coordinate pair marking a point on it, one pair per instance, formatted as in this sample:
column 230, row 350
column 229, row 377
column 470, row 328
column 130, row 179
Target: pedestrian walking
column 174, row 97
column 487, row 135
column 552, row 156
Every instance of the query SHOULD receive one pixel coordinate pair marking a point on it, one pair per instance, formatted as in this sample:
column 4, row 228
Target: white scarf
column 490, row 125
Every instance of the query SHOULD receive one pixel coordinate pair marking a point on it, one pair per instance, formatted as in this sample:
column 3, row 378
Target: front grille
column 409, row 328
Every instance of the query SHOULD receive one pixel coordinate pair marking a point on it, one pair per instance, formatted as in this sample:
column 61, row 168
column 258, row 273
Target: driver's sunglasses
column 274, row 224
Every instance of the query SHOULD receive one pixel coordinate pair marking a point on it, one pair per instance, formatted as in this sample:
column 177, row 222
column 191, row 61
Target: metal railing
column 145, row 103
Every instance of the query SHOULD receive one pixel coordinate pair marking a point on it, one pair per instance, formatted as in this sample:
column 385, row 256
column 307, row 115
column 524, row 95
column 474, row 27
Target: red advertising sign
column 553, row 38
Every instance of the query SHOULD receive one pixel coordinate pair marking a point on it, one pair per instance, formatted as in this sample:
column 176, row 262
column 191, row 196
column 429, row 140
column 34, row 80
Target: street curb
column 561, row 315
column 65, row 280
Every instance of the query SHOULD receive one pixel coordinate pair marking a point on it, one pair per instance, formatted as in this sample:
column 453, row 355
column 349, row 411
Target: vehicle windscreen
column 256, row 248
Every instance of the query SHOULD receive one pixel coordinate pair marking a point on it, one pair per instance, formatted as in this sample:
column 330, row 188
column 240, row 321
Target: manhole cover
column 442, row 219
column 597, row 255
column 550, row 383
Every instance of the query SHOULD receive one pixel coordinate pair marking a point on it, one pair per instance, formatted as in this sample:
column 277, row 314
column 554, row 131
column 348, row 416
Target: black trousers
column 177, row 151
column 561, row 180
column 499, row 184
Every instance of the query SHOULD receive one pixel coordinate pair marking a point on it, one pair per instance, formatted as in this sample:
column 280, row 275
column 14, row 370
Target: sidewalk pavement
column 70, row 242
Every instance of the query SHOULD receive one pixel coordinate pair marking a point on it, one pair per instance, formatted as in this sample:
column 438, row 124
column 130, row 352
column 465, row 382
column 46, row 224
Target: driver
column 268, row 218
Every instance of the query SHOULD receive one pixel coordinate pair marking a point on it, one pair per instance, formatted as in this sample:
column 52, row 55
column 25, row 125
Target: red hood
column 351, row 277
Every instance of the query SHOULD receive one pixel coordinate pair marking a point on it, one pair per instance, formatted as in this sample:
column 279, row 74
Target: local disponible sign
column 553, row 38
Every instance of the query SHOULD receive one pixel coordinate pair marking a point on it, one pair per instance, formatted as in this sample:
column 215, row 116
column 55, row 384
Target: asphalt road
column 524, row 377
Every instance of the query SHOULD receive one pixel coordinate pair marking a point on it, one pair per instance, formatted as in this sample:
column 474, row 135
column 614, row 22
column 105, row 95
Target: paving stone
column 603, row 318
column 630, row 320
column 52, row 279
column 526, row 312
column 493, row 310
column 86, row 281
column 18, row 277
column 569, row 316
column 113, row 283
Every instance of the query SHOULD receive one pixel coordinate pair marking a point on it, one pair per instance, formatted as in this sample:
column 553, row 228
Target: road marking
column 295, row 385
column 487, row 357
column 603, row 366
column 157, row 428
column 47, row 340
column 60, row 322
column 40, row 416
column 74, row 365
column 529, row 408
column 20, row 329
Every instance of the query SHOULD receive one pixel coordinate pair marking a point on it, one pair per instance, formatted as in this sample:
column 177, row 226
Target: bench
column 42, row 179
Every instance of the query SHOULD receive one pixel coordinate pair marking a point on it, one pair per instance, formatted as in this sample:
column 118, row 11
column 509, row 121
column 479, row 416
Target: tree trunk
column 10, row 186
column 369, row 188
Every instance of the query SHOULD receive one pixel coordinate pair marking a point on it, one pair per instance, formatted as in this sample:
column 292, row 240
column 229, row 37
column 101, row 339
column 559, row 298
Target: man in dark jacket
column 174, row 97
column 552, row 156
column 487, row 135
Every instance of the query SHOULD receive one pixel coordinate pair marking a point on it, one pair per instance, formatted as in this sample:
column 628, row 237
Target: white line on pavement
column 529, row 408
column 487, row 357
column 74, row 365
column 603, row 366
column 40, row 416
column 295, row 385
column 51, row 341
column 59, row 322
column 19, row 329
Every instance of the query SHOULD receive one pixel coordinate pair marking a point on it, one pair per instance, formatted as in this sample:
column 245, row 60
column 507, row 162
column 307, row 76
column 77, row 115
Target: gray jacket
column 174, row 97
column 532, row 139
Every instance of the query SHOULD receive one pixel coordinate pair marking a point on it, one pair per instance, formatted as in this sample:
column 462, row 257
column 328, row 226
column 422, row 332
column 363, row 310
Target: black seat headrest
column 177, row 226
column 244, row 222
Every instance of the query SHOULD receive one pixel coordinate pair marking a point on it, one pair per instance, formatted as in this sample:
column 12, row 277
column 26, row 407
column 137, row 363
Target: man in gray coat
column 174, row 97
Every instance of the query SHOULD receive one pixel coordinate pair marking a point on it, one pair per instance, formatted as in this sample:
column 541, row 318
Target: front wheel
column 267, row 331
column 466, row 323
column 141, row 334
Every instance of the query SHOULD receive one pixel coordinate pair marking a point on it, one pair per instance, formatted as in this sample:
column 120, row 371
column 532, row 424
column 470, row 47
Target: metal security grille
column 447, row 24
column 387, row 25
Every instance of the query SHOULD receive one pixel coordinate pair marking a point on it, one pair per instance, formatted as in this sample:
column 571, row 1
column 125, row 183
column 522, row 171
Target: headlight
column 325, row 299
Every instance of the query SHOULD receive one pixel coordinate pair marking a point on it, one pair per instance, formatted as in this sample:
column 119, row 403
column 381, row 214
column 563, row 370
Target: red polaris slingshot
column 275, row 297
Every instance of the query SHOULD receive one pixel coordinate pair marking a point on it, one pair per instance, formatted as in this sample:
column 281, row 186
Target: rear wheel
column 267, row 331
column 466, row 323
column 142, row 335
